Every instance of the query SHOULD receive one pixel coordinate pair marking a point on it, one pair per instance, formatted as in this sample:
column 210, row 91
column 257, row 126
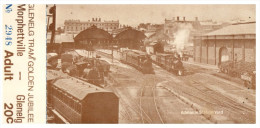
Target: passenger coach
column 75, row 101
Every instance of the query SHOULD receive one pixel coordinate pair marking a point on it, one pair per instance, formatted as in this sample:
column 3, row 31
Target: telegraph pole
column 52, row 26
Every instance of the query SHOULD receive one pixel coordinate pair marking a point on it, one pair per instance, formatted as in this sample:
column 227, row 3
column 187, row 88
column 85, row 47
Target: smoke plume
column 182, row 36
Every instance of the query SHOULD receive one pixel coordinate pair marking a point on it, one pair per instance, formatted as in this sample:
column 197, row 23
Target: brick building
column 235, row 42
column 76, row 26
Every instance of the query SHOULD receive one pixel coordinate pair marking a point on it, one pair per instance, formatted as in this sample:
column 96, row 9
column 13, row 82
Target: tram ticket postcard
column 129, row 63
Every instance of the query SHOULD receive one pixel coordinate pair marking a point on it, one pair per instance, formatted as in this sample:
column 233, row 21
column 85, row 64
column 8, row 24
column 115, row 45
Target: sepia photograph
column 151, row 63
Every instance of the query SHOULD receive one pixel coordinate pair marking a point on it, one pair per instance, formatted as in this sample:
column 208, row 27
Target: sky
column 133, row 15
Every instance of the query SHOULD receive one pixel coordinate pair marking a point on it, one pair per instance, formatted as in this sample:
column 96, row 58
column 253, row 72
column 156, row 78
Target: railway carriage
column 75, row 101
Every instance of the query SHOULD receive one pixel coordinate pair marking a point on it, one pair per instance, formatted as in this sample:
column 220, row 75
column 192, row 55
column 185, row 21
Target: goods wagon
column 244, row 70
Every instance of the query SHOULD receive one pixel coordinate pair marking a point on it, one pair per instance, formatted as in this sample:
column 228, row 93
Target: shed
column 92, row 37
column 130, row 38
column 236, row 42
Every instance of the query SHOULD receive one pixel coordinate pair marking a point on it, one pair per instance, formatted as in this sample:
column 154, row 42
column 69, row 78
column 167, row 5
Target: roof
column 165, row 55
column 50, row 55
column 130, row 34
column 152, row 44
column 158, row 36
column 74, row 53
column 93, row 33
column 81, row 52
column 77, row 88
column 237, row 29
column 54, row 74
column 209, row 23
column 61, row 38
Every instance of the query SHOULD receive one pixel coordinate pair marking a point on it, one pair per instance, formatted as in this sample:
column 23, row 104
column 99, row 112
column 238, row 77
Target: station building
column 236, row 42
column 76, row 26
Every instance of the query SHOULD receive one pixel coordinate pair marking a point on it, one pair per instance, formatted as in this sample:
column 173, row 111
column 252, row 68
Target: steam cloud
column 182, row 36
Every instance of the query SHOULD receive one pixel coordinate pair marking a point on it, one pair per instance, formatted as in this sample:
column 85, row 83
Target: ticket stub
column 24, row 71
column 129, row 63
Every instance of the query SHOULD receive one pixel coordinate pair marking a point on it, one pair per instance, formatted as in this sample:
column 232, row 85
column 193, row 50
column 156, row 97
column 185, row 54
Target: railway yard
column 200, row 96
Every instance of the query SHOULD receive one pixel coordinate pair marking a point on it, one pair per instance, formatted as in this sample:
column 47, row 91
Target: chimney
column 184, row 18
column 196, row 19
column 178, row 18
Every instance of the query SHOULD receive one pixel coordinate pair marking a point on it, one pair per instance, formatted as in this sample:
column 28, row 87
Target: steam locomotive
column 138, row 59
column 170, row 62
column 92, row 70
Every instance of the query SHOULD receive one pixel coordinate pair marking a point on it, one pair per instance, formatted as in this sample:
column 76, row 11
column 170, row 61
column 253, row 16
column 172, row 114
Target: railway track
column 193, row 90
column 212, row 99
column 143, row 114
column 196, row 94
column 228, row 103
column 151, row 104
column 177, row 95
column 146, row 108
column 131, row 104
